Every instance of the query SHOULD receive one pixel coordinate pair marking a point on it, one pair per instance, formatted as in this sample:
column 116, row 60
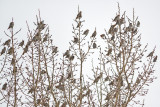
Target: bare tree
column 33, row 73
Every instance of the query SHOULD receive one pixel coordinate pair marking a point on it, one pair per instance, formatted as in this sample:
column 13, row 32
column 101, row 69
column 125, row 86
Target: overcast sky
column 59, row 14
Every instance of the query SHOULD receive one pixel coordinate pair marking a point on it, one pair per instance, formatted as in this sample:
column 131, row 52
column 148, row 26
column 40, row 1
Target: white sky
column 59, row 14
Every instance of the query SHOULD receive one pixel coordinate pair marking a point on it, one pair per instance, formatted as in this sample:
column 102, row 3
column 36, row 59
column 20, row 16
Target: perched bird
column 103, row 36
column 138, row 24
column 61, row 79
column 13, row 61
column 116, row 18
column 79, row 15
column 107, row 78
column 71, row 57
column 64, row 104
column 45, row 38
column 55, row 49
column 10, row 51
column 41, row 25
column 79, row 24
column 14, row 69
column 3, row 51
column 97, row 79
column 112, row 38
column 94, row 45
column 31, row 90
column 67, row 54
column 43, row 72
column 11, row 25
column 155, row 59
column 60, row 87
column 121, row 43
column 38, row 101
column 94, row 34
column 86, row 32
column 4, row 87
column 109, row 51
column 7, row 42
column 25, row 49
column 29, row 43
column 69, row 75
column 150, row 54
column 21, row 43
column 119, row 55
column 75, row 40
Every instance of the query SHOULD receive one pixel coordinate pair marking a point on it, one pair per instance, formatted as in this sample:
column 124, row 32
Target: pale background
column 59, row 14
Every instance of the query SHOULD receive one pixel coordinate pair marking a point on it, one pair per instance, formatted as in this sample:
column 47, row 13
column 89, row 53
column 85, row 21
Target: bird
column 97, row 78
column 55, row 50
column 25, row 49
column 79, row 15
column 31, row 90
column 3, row 51
column 155, row 59
column 116, row 18
column 94, row 45
column 138, row 24
column 94, row 34
column 60, row 87
column 86, row 32
column 7, row 42
column 4, row 87
column 75, row 40
column 13, row 61
column 71, row 57
column 150, row 54
column 119, row 55
column 10, row 51
column 45, row 38
column 29, row 43
column 11, row 25
column 79, row 24
column 103, row 36
column 21, row 43
column 112, row 38
column 109, row 51
column 67, row 54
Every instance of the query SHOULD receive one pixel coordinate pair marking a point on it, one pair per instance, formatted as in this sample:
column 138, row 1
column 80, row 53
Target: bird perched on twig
column 10, row 51
column 67, row 54
column 94, row 34
column 109, row 51
column 21, row 43
column 11, row 25
column 3, row 51
column 150, row 54
column 71, row 57
column 86, row 32
column 60, row 87
column 79, row 15
column 116, row 18
column 94, row 45
column 138, row 24
column 103, row 36
column 75, row 40
column 155, row 59
column 4, row 87
column 7, row 42
column 97, row 79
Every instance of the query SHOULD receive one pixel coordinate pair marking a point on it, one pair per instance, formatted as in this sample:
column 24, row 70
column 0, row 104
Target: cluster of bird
column 67, row 55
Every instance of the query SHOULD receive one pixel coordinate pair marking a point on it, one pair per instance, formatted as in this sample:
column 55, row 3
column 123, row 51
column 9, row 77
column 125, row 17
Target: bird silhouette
column 11, row 25
column 4, row 87
column 21, row 43
column 155, row 58
column 109, row 51
column 86, row 32
column 94, row 45
column 3, row 51
column 94, row 34
column 7, row 42
column 150, row 54
column 79, row 15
